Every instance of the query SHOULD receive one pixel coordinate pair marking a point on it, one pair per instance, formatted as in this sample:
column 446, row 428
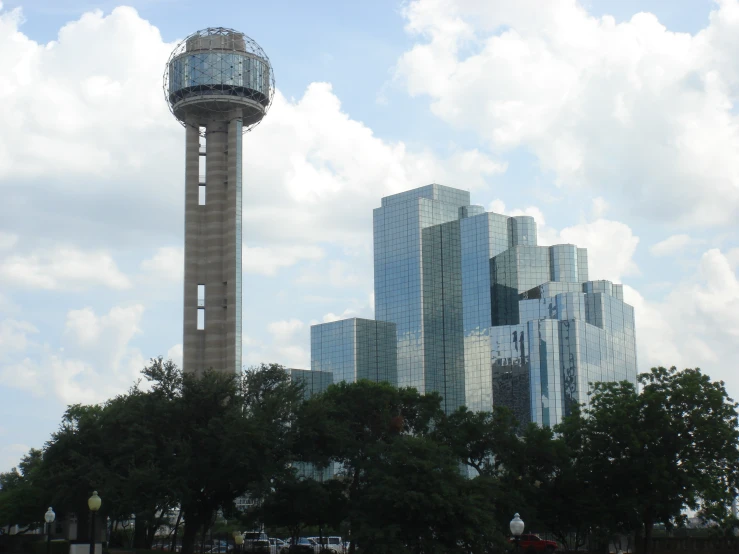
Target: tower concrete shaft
column 213, row 205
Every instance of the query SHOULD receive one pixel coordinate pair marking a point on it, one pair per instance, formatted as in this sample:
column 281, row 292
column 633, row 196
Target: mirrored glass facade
column 314, row 382
column 484, row 236
column 567, row 340
column 482, row 314
column 234, row 73
column 355, row 349
column 404, row 297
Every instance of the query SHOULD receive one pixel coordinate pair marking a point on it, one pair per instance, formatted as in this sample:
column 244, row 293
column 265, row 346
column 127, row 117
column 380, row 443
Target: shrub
column 56, row 546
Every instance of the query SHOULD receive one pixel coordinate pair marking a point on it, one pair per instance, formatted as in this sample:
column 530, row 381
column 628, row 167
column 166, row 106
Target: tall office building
column 218, row 83
column 484, row 315
column 414, row 260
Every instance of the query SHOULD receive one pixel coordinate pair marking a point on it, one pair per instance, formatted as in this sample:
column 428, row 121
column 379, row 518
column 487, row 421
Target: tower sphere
column 216, row 72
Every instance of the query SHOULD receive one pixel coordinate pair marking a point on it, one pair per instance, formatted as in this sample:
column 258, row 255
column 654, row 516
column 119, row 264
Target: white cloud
column 611, row 244
column 631, row 109
column 285, row 347
column 14, row 336
column 674, row 244
column 346, row 314
column 338, row 274
column 267, row 261
column 96, row 361
column 285, row 330
column 732, row 256
column 498, row 206
column 7, row 240
column 167, row 264
column 77, row 106
column 697, row 323
column 312, row 174
column 23, row 374
column 175, row 354
column 63, row 268
column 11, row 455
column 600, row 207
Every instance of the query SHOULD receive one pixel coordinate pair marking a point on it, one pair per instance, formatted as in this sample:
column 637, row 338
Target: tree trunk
column 648, row 526
column 176, row 528
column 638, row 542
column 139, row 532
column 320, row 536
column 189, row 534
column 151, row 533
column 352, row 499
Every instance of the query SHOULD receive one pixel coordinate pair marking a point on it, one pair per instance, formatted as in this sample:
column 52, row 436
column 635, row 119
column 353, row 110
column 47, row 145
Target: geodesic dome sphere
column 215, row 72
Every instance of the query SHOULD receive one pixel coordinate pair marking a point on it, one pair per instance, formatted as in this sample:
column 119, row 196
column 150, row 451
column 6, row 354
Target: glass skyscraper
column 482, row 314
column 417, row 286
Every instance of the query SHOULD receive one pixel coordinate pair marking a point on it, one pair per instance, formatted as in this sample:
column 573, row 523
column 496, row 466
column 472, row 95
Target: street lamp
column 49, row 517
column 516, row 529
column 93, row 503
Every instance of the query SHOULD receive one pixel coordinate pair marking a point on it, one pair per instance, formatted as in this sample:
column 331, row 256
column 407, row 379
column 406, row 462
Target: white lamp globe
column 516, row 526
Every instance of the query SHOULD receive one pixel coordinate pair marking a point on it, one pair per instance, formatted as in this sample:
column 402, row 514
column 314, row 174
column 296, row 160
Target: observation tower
column 219, row 84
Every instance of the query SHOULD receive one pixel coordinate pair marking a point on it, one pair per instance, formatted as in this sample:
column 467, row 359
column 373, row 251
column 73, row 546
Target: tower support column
column 193, row 340
column 212, row 318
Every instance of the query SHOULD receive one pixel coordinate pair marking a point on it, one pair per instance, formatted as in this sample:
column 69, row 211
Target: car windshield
column 334, row 540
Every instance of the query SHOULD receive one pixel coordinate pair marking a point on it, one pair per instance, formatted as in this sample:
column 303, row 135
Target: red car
column 532, row 543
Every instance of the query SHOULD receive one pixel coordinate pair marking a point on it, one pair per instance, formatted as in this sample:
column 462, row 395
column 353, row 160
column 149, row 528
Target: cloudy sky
column 617, row 129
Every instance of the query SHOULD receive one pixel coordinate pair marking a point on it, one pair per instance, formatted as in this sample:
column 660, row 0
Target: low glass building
column 354, row 349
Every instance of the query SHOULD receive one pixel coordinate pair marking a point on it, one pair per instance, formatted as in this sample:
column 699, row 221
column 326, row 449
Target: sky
column 613, row 122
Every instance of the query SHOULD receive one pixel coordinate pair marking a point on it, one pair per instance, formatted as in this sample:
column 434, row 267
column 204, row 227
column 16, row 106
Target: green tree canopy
column 668, row 448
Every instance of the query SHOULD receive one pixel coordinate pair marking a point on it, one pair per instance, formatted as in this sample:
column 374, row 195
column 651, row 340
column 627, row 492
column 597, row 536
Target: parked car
column 254, row 541
column 530, row 543
column 303, row 545
column 260, row 547
column 277, row 545
column 334, row 544
column 221, row 549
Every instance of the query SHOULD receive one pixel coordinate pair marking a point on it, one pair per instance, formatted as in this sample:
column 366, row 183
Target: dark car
column 531, row 543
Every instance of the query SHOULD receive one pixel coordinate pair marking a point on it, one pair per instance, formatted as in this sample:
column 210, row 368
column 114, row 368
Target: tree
column 416, row 500
column 481, row 440
column 196, row 442
column 568, row 505
column 75, row 462
column 22, row 494
column 298, row 503
column 675, row 445
column 231, row 436
column 119, row 449
column 351, row 423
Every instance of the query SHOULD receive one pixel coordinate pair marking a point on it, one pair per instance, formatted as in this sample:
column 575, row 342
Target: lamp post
column 93, row 503
column 516, row 529
column 49, row 517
